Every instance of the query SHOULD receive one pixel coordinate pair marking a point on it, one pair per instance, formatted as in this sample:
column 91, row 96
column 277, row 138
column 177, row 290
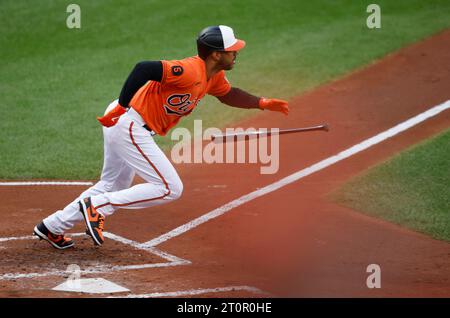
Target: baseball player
column 156, row 95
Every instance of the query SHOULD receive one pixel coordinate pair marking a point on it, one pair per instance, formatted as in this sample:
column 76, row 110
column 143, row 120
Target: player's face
column 227, row 60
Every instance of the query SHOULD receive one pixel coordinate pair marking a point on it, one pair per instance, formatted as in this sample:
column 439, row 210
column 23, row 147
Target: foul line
column 136, row 245
column 194, row 292
column 300, row 174
column 45, row 183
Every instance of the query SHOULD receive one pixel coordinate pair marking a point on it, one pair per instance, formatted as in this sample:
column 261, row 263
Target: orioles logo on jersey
column 179, row 104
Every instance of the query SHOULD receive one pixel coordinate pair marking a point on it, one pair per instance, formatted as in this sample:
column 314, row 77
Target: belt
column 149, row 129
column 134, row 115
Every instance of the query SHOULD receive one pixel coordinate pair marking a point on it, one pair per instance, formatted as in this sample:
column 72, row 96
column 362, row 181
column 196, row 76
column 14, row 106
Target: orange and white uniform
column 129, row 148
column 162, row 104
column 157, row 95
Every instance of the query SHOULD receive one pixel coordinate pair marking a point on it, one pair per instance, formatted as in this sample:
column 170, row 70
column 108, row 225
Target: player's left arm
column 142, row 73
column 237, row 97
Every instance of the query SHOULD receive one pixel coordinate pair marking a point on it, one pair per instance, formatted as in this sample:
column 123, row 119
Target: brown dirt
column 291, row 242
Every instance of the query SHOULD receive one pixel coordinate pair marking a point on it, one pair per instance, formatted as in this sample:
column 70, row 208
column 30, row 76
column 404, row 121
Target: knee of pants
column 176, row 188
column 103, row 186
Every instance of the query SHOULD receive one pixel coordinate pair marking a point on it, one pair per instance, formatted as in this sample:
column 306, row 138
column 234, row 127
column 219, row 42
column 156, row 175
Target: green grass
column 412, row 189
column 54, row 80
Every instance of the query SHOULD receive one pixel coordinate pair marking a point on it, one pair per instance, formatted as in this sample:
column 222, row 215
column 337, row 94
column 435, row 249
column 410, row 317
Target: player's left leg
column 63, row 220
column 137, row 148
column 116, row 175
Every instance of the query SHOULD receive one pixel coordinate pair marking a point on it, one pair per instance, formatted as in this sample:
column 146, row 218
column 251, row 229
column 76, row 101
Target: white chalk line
column 103, row 269
column 164, row 255
column 172, row 260
column 194, row 292
column 299, row 174
column 112, row 236
column 45, row 183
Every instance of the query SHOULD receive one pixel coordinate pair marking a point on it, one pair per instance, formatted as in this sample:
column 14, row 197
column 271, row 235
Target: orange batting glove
column 277, row 105
column 111, row 118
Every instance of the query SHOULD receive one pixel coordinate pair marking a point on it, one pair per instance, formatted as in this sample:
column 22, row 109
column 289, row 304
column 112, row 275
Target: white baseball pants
column 128, row 149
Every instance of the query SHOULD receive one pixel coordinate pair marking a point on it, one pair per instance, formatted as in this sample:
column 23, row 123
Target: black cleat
column 57, row 241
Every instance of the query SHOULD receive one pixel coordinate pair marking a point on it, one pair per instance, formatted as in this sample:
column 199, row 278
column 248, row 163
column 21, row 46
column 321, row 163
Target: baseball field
column 373, row 190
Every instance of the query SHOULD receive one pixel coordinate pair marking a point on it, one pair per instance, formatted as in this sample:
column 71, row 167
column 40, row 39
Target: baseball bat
column 222, row 137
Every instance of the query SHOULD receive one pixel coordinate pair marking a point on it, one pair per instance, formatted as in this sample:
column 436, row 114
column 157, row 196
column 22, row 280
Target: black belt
column 149, row 129
column 145, row 126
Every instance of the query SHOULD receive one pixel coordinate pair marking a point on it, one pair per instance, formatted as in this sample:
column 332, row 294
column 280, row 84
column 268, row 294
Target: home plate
column 90, row 286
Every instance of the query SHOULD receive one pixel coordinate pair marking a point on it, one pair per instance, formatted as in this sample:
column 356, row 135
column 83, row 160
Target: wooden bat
column 232, row 136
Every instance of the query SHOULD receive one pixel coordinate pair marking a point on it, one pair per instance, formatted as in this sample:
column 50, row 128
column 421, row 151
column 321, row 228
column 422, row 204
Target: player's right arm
column 236, row 97
column 142, row 73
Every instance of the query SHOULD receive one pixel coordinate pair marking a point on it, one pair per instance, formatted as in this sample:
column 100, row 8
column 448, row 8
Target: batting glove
column 111, row 118
column 273, row 104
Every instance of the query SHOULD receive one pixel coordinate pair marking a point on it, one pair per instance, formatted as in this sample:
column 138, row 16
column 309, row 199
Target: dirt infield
column 290, row 242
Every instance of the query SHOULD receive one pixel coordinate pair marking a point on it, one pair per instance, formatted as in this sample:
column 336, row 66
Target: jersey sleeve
column 177, row 74
column 220, row 85
column 142, row 73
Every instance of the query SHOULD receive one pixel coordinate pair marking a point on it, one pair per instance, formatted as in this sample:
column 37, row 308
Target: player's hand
column 111, row 118
column 277, row 105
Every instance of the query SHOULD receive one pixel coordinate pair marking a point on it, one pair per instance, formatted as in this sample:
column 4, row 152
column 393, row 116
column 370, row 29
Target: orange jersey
column 183, row 85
